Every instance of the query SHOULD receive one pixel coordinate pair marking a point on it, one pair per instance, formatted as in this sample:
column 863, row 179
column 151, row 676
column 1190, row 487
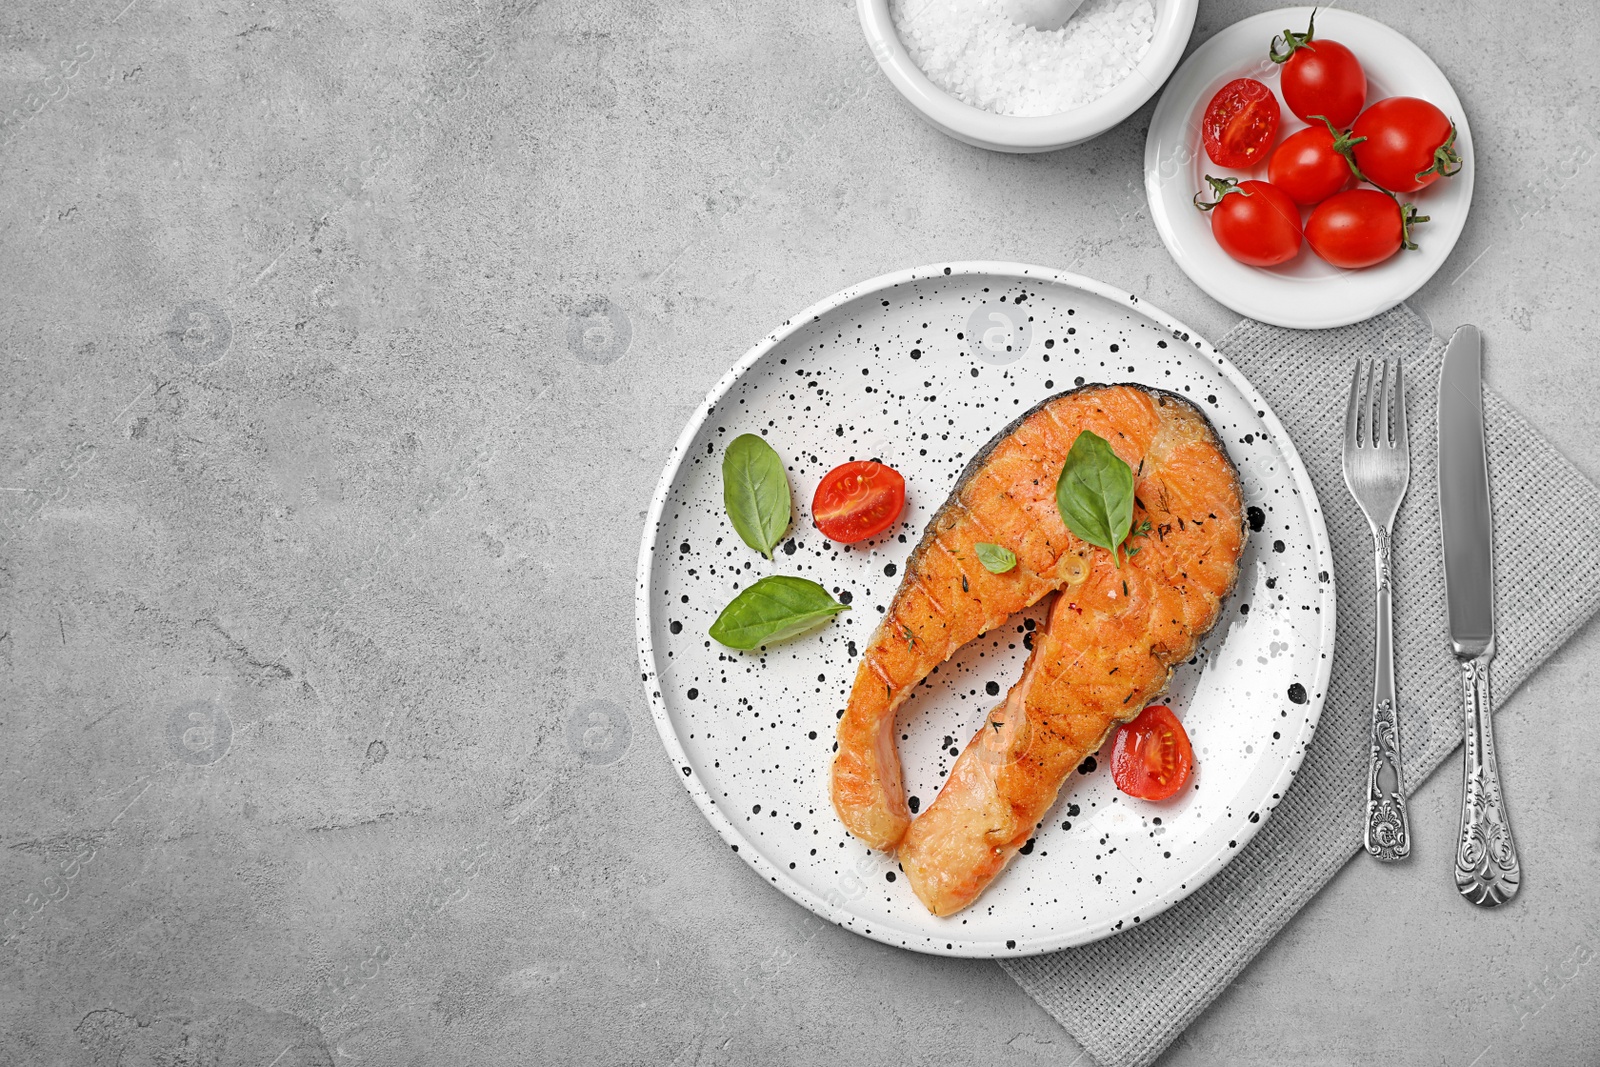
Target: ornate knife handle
column 1388, row 834
column 1487, row 871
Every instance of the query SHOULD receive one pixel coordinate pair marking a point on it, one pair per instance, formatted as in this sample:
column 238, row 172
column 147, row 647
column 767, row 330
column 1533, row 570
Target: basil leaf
column 1095, row 493
column 995, row 559
column 777, row 607
column 756, row 492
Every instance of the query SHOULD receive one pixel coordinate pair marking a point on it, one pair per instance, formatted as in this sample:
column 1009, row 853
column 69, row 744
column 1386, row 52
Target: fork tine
column 1371, row 438
column 1352, row 415
column 1384, row 425
column 1400, row 440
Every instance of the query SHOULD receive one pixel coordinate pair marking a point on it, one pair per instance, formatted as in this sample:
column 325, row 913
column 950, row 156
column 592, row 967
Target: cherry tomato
column 1151, row 756
column 1319, row 77
column 1240, row 123
column 1402, row 144
column 1309, row 166
column 858, row 500
column 1254, row 222
column 1360, row 227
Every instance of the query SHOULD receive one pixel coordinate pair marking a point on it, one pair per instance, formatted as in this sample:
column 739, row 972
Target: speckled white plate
column 1305, row 293
column 920, row 369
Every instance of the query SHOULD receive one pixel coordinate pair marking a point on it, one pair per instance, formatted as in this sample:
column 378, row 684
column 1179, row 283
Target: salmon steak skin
column 1111, row 641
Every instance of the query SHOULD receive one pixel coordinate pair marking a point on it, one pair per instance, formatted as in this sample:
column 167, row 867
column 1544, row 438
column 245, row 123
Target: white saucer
column 1304, row 293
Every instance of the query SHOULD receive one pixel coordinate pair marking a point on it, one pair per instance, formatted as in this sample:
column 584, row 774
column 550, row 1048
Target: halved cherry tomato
column 1309, row 165
column 1319, row 77
column 858, row 500
column 1360, row 227
column 1254, row 222
column 1240, row 123
column 1402, row 143
column 1151, row 756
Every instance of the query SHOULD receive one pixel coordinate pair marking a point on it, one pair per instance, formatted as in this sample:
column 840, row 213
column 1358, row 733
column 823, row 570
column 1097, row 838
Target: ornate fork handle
column 1388, row 834
column 1487, row 870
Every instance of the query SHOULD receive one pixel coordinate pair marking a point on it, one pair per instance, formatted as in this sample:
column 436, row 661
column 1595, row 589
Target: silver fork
column 1377, row 468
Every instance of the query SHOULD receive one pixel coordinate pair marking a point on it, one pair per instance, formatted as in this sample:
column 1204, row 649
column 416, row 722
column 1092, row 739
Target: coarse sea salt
column 975, row 52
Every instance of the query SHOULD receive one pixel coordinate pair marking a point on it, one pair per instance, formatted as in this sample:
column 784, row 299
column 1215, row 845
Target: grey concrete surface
column 343, row 344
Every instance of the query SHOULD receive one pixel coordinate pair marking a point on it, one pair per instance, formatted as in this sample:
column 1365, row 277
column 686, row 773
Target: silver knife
column 1487, row 871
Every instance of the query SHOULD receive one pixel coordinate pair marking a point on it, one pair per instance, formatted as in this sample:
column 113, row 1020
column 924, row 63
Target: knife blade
column 1467, row 524
column 1488, row 872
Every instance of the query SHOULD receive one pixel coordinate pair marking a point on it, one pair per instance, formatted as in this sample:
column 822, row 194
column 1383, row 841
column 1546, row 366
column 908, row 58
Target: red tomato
column 1319, row 77
column 1309, row 166
column 1151, row 756
column 1361, row 227
column 1254, row 222
column 1240, row 123
column 1402, row 144
column 858, row 500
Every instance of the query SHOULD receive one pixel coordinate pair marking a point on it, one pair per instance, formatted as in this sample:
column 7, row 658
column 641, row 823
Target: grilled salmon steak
column 1112, row 639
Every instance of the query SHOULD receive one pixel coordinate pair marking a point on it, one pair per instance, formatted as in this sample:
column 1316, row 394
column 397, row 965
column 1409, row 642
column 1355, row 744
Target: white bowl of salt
column 1001, row 74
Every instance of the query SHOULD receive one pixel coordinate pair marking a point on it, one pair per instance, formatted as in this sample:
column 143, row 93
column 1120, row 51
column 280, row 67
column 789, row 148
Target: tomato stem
column 1345, row 145
column 1408, row 219
column 1220, row 187
column 1293, row 42
column 1445, row 161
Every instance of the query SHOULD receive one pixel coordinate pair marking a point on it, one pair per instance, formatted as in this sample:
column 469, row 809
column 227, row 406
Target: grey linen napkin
column 1103, row 993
